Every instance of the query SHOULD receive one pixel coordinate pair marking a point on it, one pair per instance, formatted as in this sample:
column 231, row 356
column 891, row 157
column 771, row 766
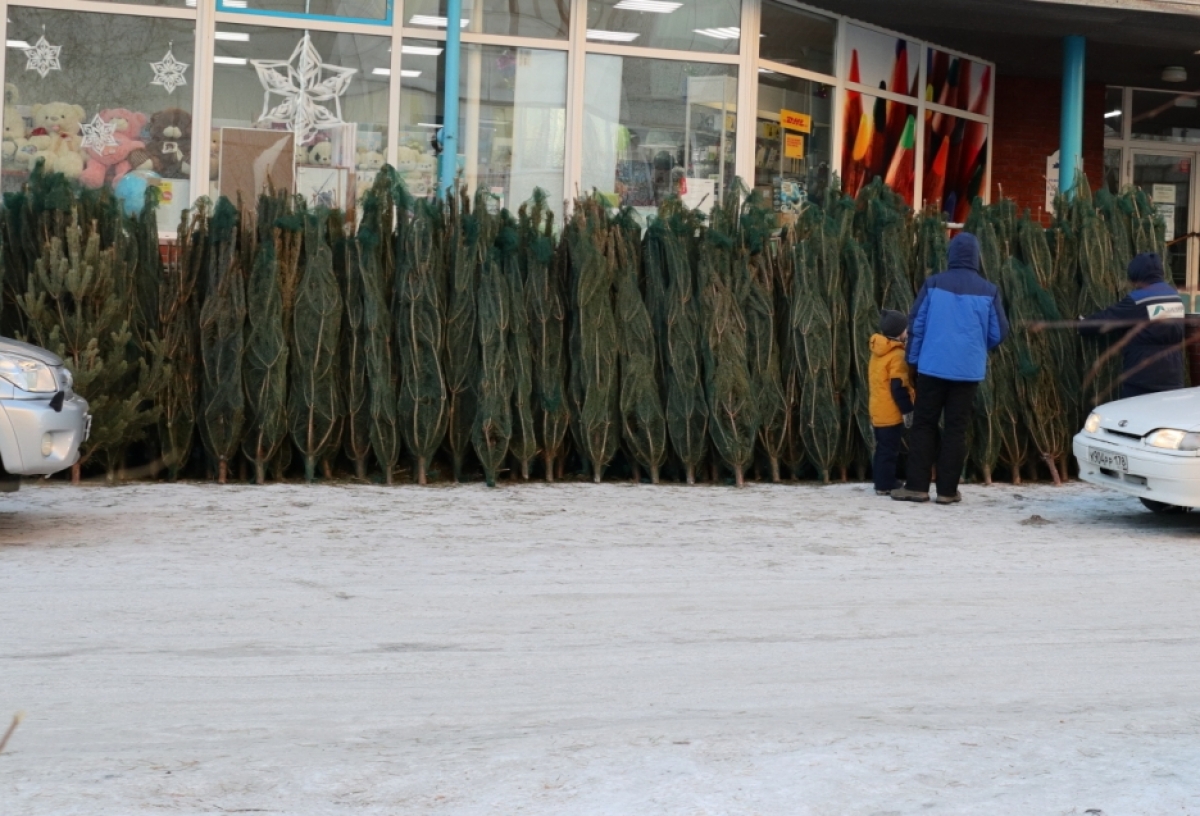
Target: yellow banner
column 795, row 121
column 793, row 146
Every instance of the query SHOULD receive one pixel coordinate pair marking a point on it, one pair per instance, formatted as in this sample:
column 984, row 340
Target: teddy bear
column 15, row 131
column 111, row 163
column 56, row 139
column 368, row 160
column 320, row 154
column 168, row 151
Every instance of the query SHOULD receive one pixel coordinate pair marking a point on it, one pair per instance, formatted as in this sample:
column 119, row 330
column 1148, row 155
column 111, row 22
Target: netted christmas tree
column 222, row 341
column 266, row 359
column 546, row 310
column 315, row 400
column 469, row 234
column 524, row 442
column 595, row 357
column 178, row 320
column 643, row 421
column 493, row 420
column 420, row 316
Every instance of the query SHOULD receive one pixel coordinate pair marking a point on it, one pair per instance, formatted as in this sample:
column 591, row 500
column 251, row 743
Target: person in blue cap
column 1152, row 360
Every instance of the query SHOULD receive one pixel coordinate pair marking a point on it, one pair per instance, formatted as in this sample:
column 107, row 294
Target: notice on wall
column 1162, row 193
column 698, row 192
column 1051, row 180
column 793, row 146
column 791, row 120
column 1167, row 211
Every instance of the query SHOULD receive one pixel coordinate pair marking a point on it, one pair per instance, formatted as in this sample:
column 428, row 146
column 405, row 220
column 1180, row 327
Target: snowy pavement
column 580, row 649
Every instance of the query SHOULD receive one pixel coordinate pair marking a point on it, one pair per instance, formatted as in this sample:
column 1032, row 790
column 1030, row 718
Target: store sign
column 793, row 146
column 795, row 121
column 1162, row 193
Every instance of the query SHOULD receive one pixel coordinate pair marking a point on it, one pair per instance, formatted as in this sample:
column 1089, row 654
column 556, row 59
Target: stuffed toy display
column 56, row 139
column 110, row 164
column 319, row 154
column 168, row 150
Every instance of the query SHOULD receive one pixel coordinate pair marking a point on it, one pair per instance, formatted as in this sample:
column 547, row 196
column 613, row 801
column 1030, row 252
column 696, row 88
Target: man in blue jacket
column 1152, row 360
column 956, row 320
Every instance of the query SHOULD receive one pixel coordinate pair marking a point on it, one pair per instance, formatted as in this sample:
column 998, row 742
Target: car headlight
column 1093, row 423
column 27, row 374
column 1172, row 439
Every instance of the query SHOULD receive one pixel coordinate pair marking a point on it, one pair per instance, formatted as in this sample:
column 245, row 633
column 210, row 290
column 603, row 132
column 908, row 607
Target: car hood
column 1141, row 415
column 10, row 346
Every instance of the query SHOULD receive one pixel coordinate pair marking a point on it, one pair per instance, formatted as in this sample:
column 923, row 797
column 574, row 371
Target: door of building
column 1167, row 177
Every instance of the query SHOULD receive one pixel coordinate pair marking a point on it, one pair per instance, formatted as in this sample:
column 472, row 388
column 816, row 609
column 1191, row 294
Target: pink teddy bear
column 110, row 164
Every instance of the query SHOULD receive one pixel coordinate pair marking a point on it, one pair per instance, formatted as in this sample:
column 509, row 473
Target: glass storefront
column 637, row 100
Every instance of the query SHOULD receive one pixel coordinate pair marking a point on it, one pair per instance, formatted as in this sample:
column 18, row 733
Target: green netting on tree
column 864, row 322
column 265, row 364
column 424, row 409
column 763, row 357
column 687, row 406
column 595, row 348
column 524, row 442
column 643, row 419
column 375, row 256
column 468, row 238
column 781, row 265
column 545, row 307
column 493, row 419
column 222, row 338
column 315, row 399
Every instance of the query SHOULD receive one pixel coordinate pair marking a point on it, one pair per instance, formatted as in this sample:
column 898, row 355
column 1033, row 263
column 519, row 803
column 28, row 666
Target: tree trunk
column 775, row 476
column 260, row 472
column 691, row 475
column 1053, row 470
column 360, row 469
column 222, row 471
column 739, row 478
column 549, row 457
column 421, row 480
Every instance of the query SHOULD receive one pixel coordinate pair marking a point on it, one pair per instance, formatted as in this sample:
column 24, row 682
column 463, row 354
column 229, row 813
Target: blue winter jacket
column 957, row 318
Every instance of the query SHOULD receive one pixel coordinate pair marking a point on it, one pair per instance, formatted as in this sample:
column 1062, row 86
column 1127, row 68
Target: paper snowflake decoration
column 304, row 82
column 98, row 134
column 169, row 72
column 43, row 57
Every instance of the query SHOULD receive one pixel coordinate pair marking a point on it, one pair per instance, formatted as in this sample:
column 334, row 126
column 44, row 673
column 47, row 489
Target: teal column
column 449, row 158
column 1070, row 148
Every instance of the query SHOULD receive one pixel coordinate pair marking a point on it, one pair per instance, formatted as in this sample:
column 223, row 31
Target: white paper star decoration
column 43, row 57
column 169, row 72
column 304, row 82
column 98, row 134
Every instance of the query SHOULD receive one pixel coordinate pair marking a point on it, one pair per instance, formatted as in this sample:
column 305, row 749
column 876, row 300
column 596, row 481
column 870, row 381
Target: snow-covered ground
column 580, row 649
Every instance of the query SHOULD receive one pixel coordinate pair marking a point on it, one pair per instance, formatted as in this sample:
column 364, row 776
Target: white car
column 42, row 420
column 1146, row 446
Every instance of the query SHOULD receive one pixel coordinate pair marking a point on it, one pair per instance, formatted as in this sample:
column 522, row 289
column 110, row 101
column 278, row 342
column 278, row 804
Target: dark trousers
column 939, row 399
column 887, row 451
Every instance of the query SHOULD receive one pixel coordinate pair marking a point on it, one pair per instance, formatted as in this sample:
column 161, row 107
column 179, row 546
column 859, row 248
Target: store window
column 299, row 110
column 684, row 25
column 879, row 142
column 657, row 128
column 797, row 38
column 1163, row 116
column 957, row 82
column 793, row 141
column 1112, row 169
column 518, row 18
column 1114, row 113
column 160, row 3
column 92, row 111
column 955, row 163
column 512, row 120
column 342, row 9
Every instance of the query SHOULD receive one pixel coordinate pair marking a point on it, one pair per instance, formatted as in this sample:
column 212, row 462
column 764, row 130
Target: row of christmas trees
column 279, row 340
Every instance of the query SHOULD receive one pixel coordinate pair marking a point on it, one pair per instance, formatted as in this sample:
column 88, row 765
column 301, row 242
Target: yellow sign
column 795, row 121
column 793, row 146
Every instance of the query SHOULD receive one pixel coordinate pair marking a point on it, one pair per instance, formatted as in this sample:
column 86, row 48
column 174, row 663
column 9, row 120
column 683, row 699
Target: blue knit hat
column 1146, row 268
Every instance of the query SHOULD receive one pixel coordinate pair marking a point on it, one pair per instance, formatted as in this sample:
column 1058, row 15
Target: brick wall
column 1026, row 122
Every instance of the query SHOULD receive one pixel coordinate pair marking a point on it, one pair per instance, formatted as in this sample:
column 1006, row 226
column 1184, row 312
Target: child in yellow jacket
column 891, row 397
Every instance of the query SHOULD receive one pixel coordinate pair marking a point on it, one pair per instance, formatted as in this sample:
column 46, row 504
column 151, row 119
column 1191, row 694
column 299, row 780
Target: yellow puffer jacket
column 887, row 364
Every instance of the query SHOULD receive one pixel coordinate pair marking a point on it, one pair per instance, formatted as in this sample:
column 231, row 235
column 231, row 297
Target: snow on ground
column 580, row 649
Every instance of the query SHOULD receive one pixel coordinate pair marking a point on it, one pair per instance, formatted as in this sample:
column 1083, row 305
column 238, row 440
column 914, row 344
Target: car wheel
column 1163, row 507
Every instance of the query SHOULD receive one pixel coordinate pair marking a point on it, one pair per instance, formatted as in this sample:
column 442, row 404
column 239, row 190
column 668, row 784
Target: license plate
column 1111, row 461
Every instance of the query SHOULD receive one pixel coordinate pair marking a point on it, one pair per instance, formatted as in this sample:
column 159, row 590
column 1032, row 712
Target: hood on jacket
column 881, row 345
column 964, row 252
column 1145, row 268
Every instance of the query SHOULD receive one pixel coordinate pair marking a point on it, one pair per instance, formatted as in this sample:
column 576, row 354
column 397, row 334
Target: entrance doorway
column 1168, row 178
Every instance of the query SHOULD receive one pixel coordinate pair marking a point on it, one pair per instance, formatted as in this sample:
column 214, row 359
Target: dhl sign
column 795, row 121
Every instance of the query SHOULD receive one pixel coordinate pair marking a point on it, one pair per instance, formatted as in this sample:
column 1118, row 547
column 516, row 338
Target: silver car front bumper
column 26, row 425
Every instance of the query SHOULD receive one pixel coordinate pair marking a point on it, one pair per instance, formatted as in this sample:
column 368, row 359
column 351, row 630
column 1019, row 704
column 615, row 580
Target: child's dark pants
column 887, row 451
